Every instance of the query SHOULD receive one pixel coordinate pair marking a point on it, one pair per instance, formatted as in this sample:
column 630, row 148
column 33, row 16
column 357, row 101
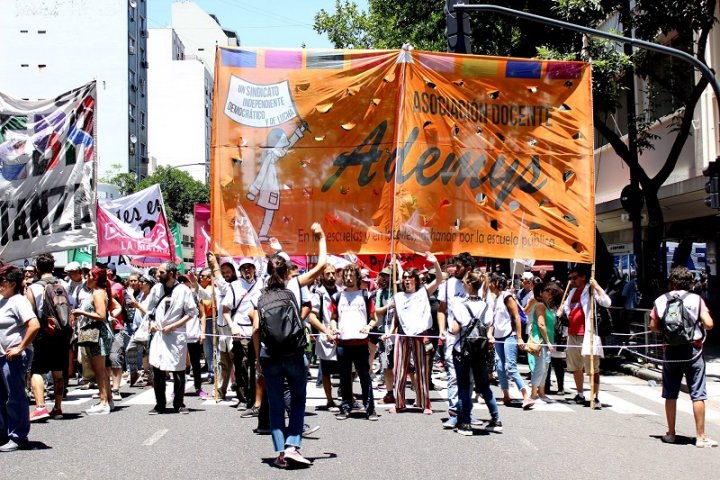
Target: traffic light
column 458, row 34
column 712, row 187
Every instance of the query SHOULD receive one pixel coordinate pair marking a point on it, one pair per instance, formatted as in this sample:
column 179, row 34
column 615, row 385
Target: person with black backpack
column 471, row 319
column 279, row 341
column 683, row 318
column 52, row 343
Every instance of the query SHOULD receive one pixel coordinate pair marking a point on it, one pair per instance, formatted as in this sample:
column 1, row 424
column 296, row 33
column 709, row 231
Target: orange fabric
column 494, row 155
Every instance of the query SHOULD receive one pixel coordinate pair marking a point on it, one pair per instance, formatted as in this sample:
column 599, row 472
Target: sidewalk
column 712, row 361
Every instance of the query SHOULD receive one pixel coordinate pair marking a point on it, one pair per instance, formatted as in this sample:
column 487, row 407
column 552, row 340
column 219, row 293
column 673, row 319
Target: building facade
column 47, row 48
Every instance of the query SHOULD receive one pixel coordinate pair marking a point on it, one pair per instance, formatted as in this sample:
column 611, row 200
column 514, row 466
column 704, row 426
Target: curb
column 640, row 371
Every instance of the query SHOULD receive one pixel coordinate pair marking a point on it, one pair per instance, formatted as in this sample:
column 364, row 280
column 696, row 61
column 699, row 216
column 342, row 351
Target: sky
column 268, row 23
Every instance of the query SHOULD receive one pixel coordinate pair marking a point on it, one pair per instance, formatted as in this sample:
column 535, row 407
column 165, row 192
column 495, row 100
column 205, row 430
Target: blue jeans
column 276, row 372
column 14, row 404
column 349, row 355
column 208, row 347
column 477, row 367
column 452, row 386
column 542, row 363
column 506, row 363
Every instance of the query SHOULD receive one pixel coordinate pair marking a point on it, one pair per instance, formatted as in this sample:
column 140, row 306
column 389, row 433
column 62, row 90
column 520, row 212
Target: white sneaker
column 706, row 442
column 98, row 410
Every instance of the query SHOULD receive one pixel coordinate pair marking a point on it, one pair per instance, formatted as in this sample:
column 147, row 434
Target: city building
column 47, row 48
column 690, row 226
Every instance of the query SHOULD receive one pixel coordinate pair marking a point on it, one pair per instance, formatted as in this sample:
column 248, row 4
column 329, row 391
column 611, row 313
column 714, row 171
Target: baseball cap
column 285, row 256
column 386, row 271
column 246, row 261
column 527, row 276
column 72, row 267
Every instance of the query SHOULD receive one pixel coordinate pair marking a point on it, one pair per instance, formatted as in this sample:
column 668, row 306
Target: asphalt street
column 554, row 441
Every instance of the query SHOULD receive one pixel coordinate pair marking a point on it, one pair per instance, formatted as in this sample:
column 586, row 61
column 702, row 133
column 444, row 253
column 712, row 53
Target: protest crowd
column 256, row 326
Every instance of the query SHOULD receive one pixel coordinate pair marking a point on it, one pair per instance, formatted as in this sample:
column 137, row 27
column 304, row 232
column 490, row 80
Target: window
column 42, row 32
column 669, row 80
column 24, row 65
column 23, row 31
column 142, row 119
column 131, row 77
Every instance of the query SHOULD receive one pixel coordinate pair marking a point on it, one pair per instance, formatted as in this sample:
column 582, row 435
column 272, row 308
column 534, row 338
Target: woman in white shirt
column 18, row 327
column 472, row 363
column 508, row 337
column 412, row 321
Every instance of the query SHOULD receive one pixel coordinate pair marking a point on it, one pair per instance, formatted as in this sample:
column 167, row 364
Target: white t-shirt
column 693, row 304
column 457, row 312
column 242, row 295
column 352, row 315
column 451, row 288
column 504, row 325
column 413, row 311
column 15, row 312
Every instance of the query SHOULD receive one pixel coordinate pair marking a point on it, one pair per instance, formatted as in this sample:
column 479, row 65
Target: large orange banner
column 402, row 151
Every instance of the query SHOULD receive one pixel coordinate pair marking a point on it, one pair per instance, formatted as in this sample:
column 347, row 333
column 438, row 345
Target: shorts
column 693, row 370
column 51, row 354
column 576, row 361
column 329, row 367
column 118, row 346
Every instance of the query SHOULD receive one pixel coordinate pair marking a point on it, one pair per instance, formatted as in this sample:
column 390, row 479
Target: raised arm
column 309, row 277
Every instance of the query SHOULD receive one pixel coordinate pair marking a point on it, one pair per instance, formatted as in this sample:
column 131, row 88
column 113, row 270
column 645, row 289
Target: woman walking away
column 18, row 327
column 95, row 310
column 471, row 319
column 507, row 330
column 543, row 332
column 279, row 341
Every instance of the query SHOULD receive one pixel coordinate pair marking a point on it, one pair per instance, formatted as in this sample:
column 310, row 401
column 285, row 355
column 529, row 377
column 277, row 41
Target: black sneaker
column 494, row 426
column 156, row 411
column 183, row 410
column 464, row 429
column 261, row 431
column 250, row 412
column 342, row 415
column 579, row 399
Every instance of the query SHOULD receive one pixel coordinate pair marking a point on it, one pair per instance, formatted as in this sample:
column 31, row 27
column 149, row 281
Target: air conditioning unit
column 131, row 50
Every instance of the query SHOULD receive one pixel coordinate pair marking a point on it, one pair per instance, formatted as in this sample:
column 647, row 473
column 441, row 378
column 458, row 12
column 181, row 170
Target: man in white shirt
column 236, row 306
column 684, row 359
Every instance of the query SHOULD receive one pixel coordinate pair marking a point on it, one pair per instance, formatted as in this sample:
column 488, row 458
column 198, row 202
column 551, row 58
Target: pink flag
column 202, row 233
column 117, row 238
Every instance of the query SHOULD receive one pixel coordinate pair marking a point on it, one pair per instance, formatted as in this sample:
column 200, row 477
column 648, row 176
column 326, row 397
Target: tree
column 179, row 190
column 687, row 24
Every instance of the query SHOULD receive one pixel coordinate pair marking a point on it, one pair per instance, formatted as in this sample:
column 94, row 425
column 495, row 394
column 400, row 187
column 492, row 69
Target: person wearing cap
column 74, row 283
column 236, row 306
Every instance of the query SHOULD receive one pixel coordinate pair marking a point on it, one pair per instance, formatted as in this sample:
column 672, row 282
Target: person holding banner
column 412, row 323
column 577, row 307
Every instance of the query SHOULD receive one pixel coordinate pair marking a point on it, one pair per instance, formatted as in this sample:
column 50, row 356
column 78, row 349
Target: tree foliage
column 179, row 190
column 682, row 24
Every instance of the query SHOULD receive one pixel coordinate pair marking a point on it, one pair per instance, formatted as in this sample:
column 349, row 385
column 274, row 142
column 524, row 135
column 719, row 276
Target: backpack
column 281, row 329
column 474, row 340
column 678, row 327
column 55, row 315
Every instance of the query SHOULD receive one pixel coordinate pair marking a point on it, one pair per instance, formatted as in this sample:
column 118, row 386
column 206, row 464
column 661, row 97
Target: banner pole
column 592, row 340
